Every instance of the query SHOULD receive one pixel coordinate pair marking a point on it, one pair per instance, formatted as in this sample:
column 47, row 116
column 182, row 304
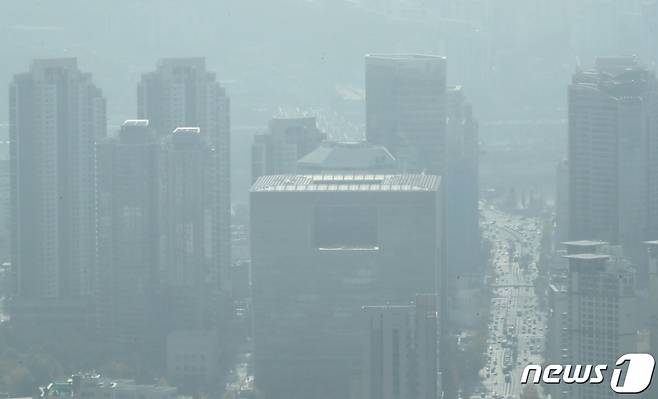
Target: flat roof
column 347, row 183
column 587, row 256
column 405, row 56
column 189, row 130
column 136, row 123
column 583, row 243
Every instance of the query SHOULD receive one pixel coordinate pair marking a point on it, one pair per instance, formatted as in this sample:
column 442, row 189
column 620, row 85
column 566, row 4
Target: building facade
column 56, row 114
column 613, row 137
column 464, row 266
column 127, row 225
column 287, row 140
column 187, row 250
column 181, row 92
column 400, row 353
column 406, row 108
column 323, row 247
column 601, row 308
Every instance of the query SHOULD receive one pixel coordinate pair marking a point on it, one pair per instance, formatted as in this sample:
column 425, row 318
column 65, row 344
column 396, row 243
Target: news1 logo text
column 636, row 378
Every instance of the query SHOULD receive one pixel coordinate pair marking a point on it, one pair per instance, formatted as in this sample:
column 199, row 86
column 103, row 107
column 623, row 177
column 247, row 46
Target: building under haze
column 188, row 273
column 613, row 153
column 127, row 225
column 406, row 108
column 464, row 267
column 601, row 312
column 562, row 201
column 400, row 353
column 322, row 247
column 287, row 140
column 56, row 113
column 652, row 308
column 181, row 92
column 345, row 157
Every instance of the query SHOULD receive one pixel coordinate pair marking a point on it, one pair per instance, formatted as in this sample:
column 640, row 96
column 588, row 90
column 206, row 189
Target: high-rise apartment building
column 400, row 353
column 322, row 247
column 127, row 225
column 287, row 140
column 601, row 308
column 188, row 273
column 612, row 153
column 56, row 113
column 406, row 108
column 181, row 92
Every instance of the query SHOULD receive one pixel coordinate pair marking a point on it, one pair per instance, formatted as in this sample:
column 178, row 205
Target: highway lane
column 516, row 325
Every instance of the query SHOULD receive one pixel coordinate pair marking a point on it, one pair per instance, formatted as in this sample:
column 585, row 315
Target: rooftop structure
column 349, row 156
column 290, row 183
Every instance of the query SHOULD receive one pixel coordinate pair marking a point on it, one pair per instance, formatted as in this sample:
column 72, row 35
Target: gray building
column 400, row 353
column 613, row 131
column 127, row 225
column 188, row 274
column 323, row 247
column 406, row 108
column 287, row 140
column 601, row 308
column 181, row 92
column 652, row 305
column 56, row 113
column 558, row 335
column 562, row 201
column 462, row 196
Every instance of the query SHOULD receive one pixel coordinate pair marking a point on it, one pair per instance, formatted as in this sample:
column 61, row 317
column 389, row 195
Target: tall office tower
column 188, row 273
column 288, row 139
column 356, row 157
column 127, row 223
column 406, row 108
column 613, row 137
column 323, row 247
column 462, row 213
column 400, row 353
column 56, row 113
column 601, row 307
column 562, row 201
column 181, row 92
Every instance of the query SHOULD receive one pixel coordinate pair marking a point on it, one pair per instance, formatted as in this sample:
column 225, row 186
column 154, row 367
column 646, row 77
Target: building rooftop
column 188, row 130
column 387, row 307
column 583, row 243
column 587, row 256
column 136, row 123
column 404, row 57
column 348, row 156
column 347, row 183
